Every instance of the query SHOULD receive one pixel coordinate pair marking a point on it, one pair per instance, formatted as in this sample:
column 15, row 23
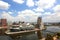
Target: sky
column 30, row 10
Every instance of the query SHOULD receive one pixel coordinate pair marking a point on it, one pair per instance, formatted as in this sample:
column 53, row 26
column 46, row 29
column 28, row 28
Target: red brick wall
column 0, row 23
column 4, row 22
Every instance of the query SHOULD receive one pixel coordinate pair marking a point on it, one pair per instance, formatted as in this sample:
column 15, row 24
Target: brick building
column 0, row 23
column 3, row 22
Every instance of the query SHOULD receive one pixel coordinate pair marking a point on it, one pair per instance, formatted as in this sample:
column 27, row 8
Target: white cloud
column 55, row 17
column 10, row 18
column 31, row 16
column 10, row 12
column 45, row 3
column 30, row 3
column 38, row 9
column 7, row 16
column 47, row 13
column 4, row 5
column 19, row 1
column 56, row 8
column 26, row 15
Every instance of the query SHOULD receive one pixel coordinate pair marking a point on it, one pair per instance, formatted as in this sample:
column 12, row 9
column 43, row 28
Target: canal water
column 50, row 29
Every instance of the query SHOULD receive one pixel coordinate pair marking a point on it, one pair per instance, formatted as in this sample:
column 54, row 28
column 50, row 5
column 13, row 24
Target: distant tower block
column 4, row 22
column 39, row 20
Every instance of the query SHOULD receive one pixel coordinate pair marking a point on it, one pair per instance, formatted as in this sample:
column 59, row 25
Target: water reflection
column 53, row 28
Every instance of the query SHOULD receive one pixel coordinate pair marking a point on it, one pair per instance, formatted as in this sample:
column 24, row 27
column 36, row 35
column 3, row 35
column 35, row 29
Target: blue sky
column 29, row 10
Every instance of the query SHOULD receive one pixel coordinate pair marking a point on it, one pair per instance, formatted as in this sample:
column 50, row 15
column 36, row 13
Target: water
column 53, row 28
column 28, row 37
column 50, row 29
